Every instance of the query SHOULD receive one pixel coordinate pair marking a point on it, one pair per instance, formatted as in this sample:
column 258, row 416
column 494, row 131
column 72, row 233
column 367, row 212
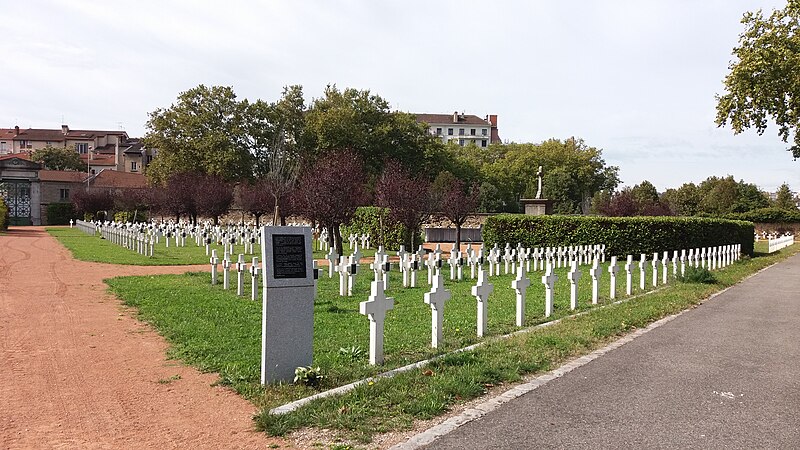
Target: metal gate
column 17, row 195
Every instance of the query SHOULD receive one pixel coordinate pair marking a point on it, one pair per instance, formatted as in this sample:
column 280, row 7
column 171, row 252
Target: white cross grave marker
column 574, row 276
column 548, row 279
column 520, row 285
column 436, row 298
column 612, row 270
column 481, row 291
column 595, row 272
column 375, row 309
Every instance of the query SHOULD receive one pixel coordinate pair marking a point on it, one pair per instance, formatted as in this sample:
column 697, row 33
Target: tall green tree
column 59, row 158
column 784, row 198
column 749, row 198
column 718, row 195
column 573, row 173
column 204, row 132
column 763, row 84
column 683, row 201
column 362, row 121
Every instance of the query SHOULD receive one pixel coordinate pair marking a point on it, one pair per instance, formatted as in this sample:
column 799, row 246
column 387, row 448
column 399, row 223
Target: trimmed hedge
column 367, row 220
column 4, row 217
column 767, row 215
column 60, row 213
column 621, row 235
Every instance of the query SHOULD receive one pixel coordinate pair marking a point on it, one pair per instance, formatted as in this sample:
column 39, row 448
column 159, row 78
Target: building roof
column 32, row 134
column 21, row 155
column 442, row 119
column 115, row 179
column 133, row 147
column 62, row 176
column 100, row 160
column 55, row 135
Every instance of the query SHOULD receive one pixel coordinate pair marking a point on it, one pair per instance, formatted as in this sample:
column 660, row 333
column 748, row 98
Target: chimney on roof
column 493, row 120
column 455, row 116
column 64, row 129
column 16, row 130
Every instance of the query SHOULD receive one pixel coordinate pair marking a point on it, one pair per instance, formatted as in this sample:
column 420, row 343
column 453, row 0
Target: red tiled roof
column 114, row 179
column 24, row 155
column 62, row 176
column 100, row 160
column 441, row 119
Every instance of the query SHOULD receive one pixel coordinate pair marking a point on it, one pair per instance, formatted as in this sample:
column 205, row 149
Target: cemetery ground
column 216, row 331
column 85, row 247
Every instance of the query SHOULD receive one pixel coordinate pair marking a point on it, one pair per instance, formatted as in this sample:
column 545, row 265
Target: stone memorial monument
column 537, row 206
column 287, row 320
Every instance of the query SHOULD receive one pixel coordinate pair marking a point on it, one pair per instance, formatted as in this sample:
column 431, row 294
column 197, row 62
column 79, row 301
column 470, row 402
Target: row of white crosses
column 778, row 243
column 378, row 304
column 354, row 239
column 241, row 268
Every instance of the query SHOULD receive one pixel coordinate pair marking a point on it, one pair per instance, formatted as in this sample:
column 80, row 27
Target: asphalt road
column 725, row 375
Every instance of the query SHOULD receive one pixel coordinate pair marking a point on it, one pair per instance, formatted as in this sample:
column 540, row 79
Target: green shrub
column 60, row 213
column 697, row 275
column 621, row 235
column 130, row 216
column 88, row 217
column 368, row 219
column 768, row 215
column 4, row 215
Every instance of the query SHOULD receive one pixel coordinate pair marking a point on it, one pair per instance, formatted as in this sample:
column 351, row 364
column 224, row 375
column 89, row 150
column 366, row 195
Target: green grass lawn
column 92, row 248
column 217, row 331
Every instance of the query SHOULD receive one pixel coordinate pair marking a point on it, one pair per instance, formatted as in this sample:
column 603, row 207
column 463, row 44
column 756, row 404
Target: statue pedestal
column 537, row 206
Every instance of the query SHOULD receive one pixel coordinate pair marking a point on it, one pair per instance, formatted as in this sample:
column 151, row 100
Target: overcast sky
column 636, row 78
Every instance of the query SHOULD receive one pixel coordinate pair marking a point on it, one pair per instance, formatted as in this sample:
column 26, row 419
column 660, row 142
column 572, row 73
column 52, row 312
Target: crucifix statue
column 539, row 175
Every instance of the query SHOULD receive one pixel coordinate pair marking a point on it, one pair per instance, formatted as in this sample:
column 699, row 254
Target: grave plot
column 343, row 345
column 90, row 247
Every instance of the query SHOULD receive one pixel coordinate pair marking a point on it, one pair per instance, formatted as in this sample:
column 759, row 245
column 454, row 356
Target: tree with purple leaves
column 213, row 197
column 408, row 198
column 456, row 200
column 330, row 189
column 255, row 199
column 93, row 201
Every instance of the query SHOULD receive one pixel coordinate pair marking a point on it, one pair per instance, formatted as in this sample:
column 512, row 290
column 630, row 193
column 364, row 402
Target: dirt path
column 79, row 372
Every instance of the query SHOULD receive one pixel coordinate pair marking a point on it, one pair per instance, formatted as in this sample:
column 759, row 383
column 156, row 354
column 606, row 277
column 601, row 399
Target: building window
column 48, row 143
column 472, row 131
column 438, row 131
column 149, row 159
column 82, row 148
column 23, row 144
column 449, row 131
column 483, row 143
column 93, row 172
column 133, row 166
column 63, row 194
column 460, row 131
column 2, row 147
column 461, row 142
column 483, row 131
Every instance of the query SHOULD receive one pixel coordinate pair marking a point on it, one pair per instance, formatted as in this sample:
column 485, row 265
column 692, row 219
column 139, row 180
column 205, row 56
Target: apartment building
column 462, row 128
column 99, row 149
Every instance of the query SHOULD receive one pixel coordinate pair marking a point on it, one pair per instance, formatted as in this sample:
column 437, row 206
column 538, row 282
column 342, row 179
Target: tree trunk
column 277, row 213
column 257, row 216
column 458, row 238
column 337, row 237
